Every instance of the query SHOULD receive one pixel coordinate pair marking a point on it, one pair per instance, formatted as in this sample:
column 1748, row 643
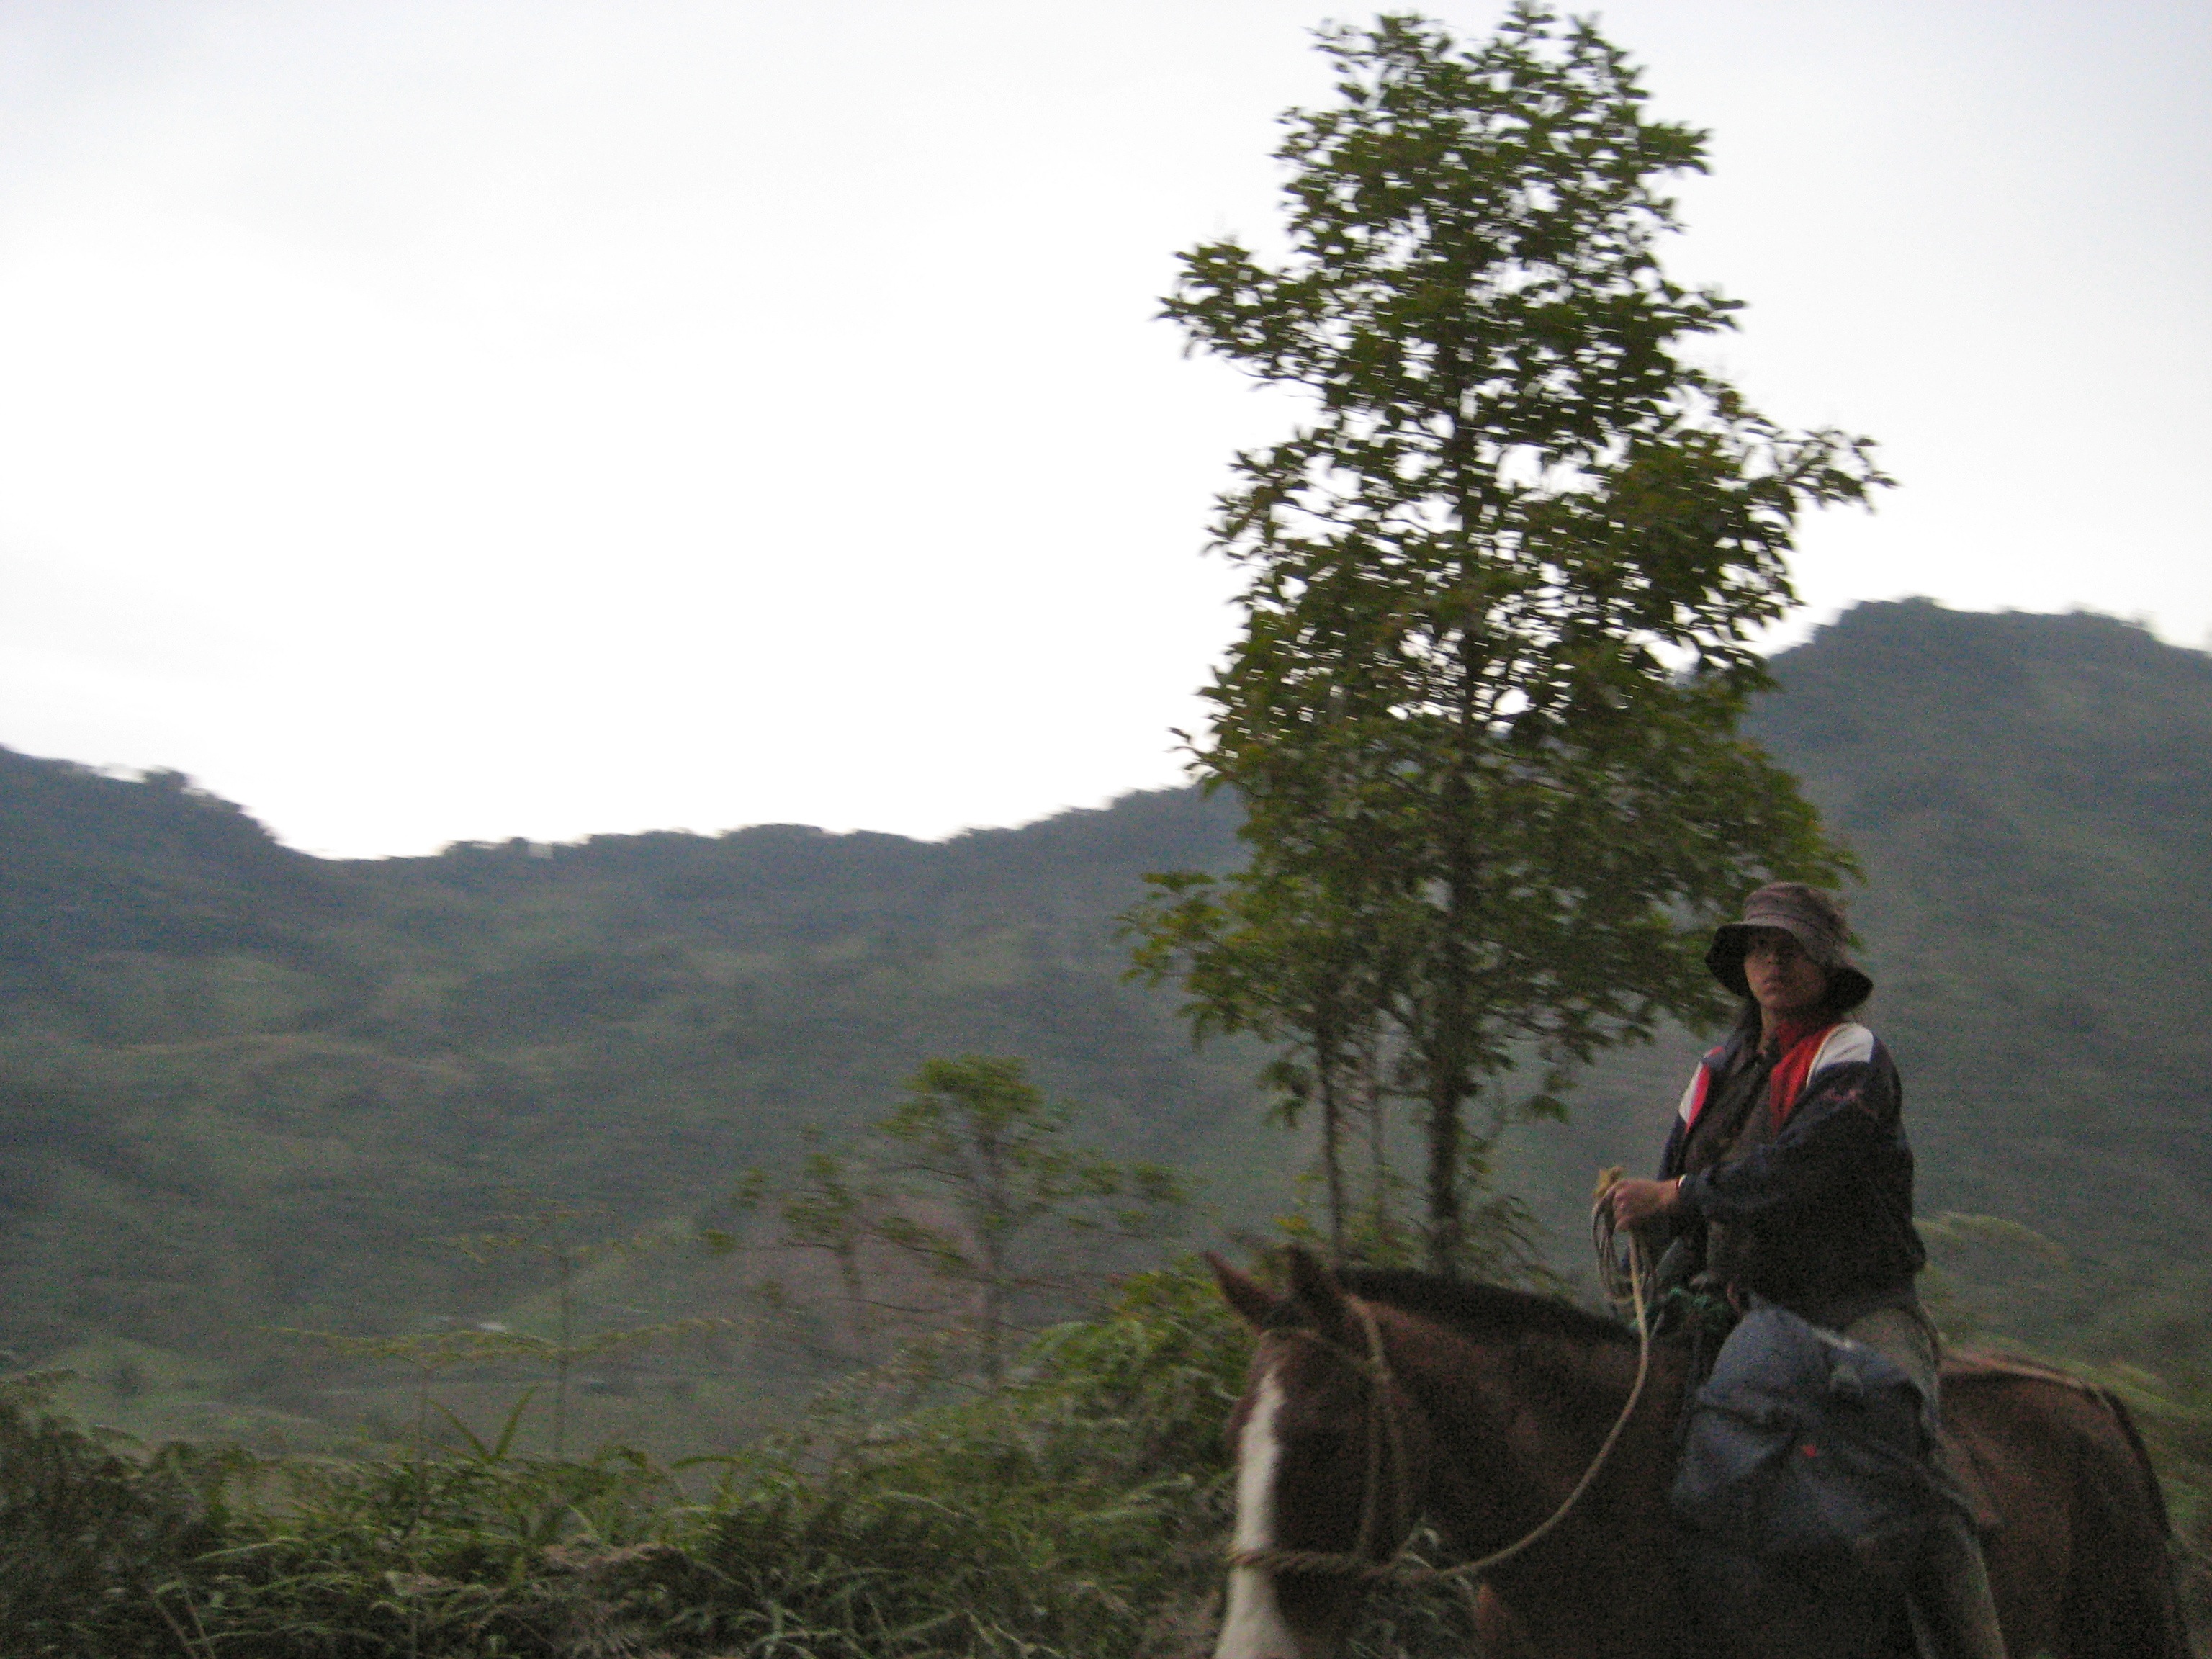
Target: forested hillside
column 245, row 1088
column 248, row 1089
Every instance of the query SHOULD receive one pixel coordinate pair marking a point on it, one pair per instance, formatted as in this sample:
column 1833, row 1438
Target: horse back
column 2078, row 1554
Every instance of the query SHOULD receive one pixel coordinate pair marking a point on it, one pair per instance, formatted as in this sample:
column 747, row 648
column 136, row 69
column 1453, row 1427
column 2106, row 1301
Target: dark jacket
column 1818, row 1215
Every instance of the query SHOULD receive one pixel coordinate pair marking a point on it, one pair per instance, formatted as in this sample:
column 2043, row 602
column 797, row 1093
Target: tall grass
column 1076, row 1510
column 1076, row 1513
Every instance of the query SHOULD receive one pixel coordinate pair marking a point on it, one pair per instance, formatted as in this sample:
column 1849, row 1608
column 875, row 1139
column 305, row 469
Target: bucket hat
column 1814, row 919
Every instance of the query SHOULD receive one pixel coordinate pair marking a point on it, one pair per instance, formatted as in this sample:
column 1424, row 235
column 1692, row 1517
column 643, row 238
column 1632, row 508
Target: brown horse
column 1391, row 1397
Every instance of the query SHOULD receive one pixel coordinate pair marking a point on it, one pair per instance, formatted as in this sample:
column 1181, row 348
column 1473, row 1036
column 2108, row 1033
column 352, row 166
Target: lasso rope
column 1382, row 1419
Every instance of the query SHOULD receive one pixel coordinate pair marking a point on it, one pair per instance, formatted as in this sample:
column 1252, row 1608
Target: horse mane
column 1480, row 1311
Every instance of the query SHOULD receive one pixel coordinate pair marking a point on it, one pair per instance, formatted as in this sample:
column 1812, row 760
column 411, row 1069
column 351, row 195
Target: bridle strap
column 1386, row 1450
column 1357, row 1563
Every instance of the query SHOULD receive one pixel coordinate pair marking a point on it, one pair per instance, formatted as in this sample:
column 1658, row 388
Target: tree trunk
column 1328, row 1064
column 1450, row 998
column 994, row 1313
column 1378, row 1148
column 991, row 1243
column 1446, row 1226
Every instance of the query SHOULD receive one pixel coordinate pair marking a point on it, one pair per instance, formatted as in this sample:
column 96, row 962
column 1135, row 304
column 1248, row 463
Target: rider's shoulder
column 1847, row 1042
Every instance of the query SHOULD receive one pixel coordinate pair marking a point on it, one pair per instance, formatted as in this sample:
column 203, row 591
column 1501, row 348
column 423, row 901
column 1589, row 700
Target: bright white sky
column 441, row 419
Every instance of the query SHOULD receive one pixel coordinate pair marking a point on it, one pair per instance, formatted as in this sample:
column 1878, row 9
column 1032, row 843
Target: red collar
column 1800, row 1043
column 1789, row 1033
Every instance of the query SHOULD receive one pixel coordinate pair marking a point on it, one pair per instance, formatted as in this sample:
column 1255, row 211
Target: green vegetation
column 1074, row 1512
column 245, row 1090
column 379, row 1190
column 226, row 1116
column 1502, row 587
column 1077, row 1511
column 990, row 1220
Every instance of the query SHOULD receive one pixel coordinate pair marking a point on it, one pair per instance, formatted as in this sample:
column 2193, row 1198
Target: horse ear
column 1316, row 1290
column 1251, row 1301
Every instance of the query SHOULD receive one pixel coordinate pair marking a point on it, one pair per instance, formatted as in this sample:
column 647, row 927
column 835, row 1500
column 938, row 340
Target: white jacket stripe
column 1693, row 1095
column 1848, row 1044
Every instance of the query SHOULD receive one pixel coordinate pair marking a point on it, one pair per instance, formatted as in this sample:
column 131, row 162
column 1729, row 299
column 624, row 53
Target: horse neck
column 1518, row 1421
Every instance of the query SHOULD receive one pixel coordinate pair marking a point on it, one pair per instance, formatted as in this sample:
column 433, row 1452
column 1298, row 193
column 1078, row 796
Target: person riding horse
column 1787, row 1179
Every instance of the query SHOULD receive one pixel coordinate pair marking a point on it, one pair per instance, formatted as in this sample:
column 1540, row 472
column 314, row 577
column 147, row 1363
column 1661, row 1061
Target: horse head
column 1329, row 1448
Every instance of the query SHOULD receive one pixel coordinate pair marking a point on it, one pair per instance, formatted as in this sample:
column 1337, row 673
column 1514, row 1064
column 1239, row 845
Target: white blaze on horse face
column 1254, row 1627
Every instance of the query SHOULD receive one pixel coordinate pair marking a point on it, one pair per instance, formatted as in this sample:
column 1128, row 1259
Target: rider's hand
column 1636, row 1201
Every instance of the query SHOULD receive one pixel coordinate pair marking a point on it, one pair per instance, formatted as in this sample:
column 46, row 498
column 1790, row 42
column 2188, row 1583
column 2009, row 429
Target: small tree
column 1296, row 961
column 1503, row 584
column 556, row 1236
column 971, row 1180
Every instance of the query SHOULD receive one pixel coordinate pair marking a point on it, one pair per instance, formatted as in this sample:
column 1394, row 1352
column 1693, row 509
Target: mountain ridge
column 242, row 1087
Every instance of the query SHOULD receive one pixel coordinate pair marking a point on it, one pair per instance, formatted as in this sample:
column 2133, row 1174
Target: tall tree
column 1504, row 583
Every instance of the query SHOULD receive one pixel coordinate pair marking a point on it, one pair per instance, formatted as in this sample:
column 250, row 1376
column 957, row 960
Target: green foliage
column 92, row 1541
column 1074, row 1512
column 277, row 1129
column 549, row 1233
column 1293, row 961
column 1029, row 1220
column 2031, row 798
column 1078, row 1511
column 1502, row 591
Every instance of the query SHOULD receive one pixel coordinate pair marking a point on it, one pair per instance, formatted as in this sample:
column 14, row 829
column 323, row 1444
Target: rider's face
column 1784, row 980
